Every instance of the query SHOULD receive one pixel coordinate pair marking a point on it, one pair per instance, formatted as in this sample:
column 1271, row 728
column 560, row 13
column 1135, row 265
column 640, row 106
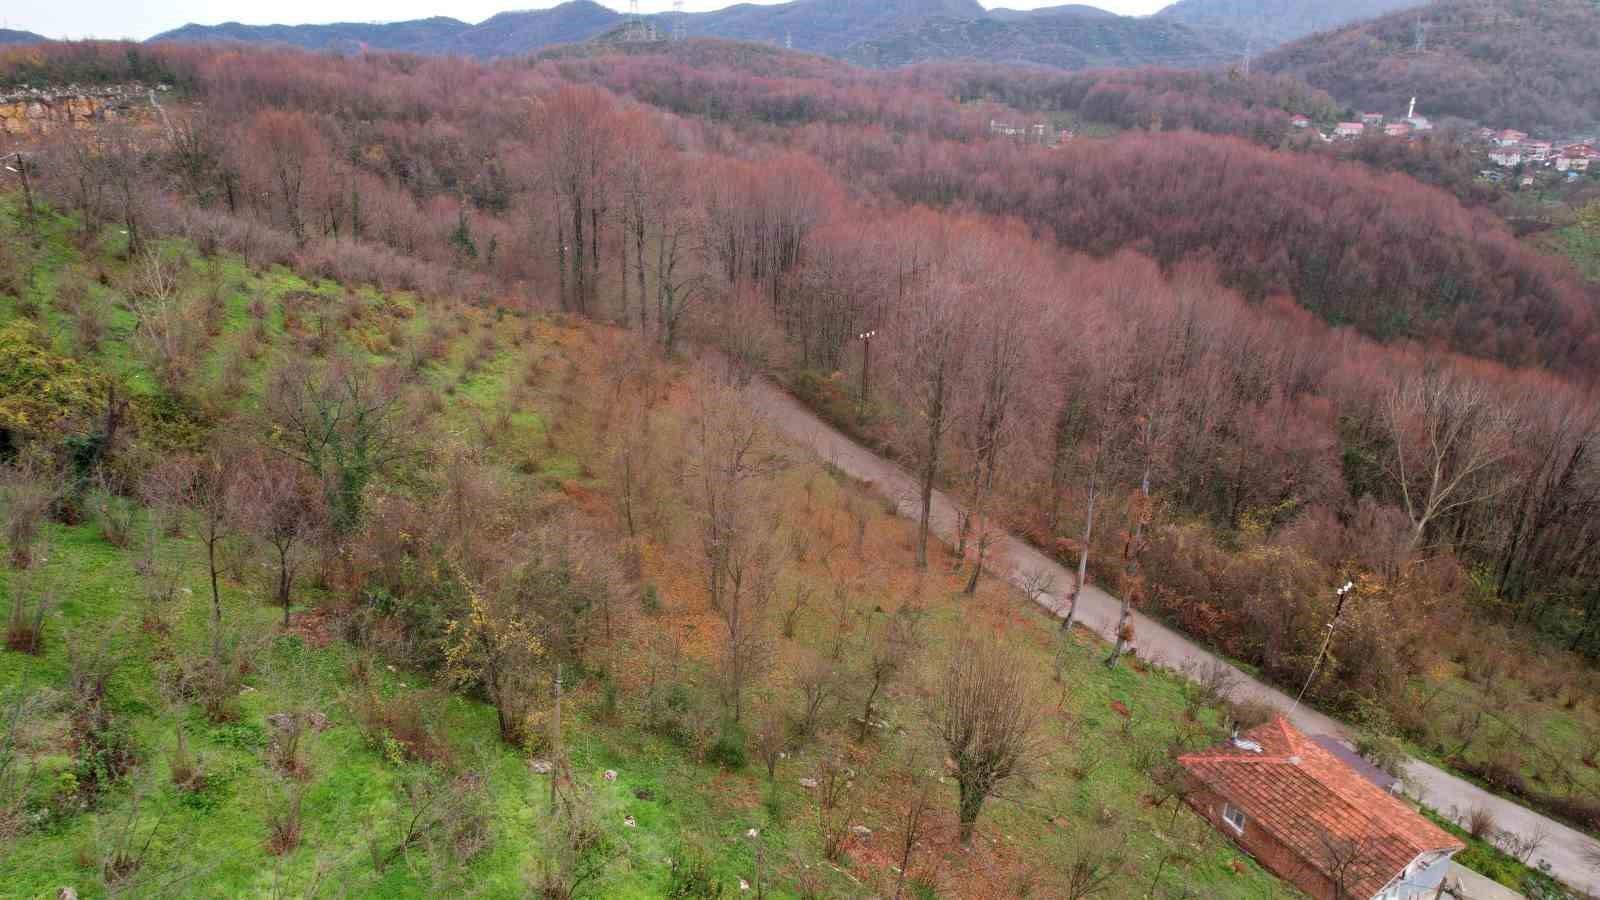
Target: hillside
column 170, row 732
column 12, row 36
column 1272, row 22
column 1066, row 41
column 1071, row 303
column 1524, row 64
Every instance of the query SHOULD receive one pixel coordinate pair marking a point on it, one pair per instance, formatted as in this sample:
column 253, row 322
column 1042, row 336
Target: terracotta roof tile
column 1307, row 798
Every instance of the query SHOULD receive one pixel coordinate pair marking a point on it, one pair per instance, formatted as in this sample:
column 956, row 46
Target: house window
column 1234, row 816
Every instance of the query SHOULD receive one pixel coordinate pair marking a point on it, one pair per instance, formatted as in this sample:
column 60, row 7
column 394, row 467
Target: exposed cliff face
column 35, row 111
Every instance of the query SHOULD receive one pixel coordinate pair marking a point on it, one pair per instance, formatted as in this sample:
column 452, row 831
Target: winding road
column 1571, row 854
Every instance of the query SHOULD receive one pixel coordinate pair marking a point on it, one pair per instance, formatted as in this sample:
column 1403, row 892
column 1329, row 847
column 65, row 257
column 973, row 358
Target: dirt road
column 1569, row 852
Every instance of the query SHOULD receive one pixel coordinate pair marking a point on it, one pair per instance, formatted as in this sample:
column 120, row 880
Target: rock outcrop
column 33, row 111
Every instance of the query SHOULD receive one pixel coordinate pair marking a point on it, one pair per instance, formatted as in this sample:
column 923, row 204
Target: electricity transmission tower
column 677, row 20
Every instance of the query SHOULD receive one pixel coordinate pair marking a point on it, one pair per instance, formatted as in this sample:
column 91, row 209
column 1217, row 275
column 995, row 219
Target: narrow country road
column 1569, row 852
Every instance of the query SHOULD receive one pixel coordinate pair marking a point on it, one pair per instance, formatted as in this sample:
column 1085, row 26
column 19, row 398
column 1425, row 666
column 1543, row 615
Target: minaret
column 1411, row 112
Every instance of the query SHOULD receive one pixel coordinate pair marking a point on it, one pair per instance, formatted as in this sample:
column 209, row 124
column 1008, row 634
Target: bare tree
column 732, row 458
column 895, row 644
column 1134, row 540
column 164, row 331
column 1098, row 859
column 207, row 488
column 985, row 712
column 929, row 356
column 578, row 122
column 1449, row 438
column 914, row 824
column 28, row 490
column 279, row 506
column 1347, row 860
column 342, row 423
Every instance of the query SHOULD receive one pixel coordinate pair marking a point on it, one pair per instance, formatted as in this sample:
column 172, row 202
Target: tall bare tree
column 931, row 339
column 733, row 456
column 1449, row 439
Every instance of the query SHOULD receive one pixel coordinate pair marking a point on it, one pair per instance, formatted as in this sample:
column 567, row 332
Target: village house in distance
column 1314, row 821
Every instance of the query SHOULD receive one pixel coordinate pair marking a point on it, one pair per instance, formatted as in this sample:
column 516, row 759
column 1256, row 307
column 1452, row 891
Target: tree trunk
column 1083, row 559
column 216, row 595
column 930, row 469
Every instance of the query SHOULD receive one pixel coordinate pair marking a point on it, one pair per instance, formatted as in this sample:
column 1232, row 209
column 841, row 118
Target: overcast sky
column 142, row 18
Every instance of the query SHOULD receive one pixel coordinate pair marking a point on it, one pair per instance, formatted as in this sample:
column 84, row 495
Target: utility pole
column 1342, row 593
column 27, row 189
column 865, row 338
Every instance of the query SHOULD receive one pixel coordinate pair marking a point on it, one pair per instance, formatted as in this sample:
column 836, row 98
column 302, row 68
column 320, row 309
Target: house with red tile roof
column 1350, row 130
column 1301, row 121
column 1314, row 821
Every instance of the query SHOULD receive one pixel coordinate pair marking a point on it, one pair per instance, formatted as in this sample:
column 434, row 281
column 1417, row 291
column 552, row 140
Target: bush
column 400, row 727
column 26, row 496
column 25, row 628
column 114, row 517
column 1382, row 750
column 1481, row 824
column 691, row 877
column 214, row 676
column 728, row 750
column 102, row 747
column 284, row 818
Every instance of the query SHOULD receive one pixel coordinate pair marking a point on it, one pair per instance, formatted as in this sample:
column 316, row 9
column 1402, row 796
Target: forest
column 1217, row 378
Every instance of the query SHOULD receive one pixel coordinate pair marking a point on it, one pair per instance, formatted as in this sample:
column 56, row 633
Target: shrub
column 1481, row 823
column 102, row 747
column 1247, row 714
column 691, row 877
column 447, row 815
column 728, row 750
column 188, row 773
column 213, row 676
column 400, row 727
column 284, row 814
column 27, row 493
column 1382, row 750
column 25, row 627
column 114, row 517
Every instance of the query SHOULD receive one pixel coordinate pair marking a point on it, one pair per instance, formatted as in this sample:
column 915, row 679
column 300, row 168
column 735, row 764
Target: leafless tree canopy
column 986, row 714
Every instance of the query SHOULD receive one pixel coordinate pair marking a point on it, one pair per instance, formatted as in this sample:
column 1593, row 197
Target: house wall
column 1267, row 849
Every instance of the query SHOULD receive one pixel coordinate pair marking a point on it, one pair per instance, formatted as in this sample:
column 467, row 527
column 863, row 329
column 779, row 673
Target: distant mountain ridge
column 868, row 32
column 417, row 34
column 12, row 36
column 1065, row 40
column 1273, row 22
column 823, row 26
column 885, row 33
